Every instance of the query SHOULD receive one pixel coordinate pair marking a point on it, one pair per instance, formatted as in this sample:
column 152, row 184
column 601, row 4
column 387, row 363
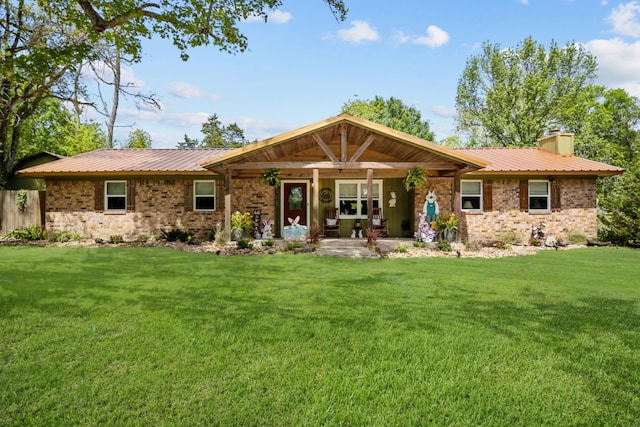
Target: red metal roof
column 128, row 161
column 532, row 161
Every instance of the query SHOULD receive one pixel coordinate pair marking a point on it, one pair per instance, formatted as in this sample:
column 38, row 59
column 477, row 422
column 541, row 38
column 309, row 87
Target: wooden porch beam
column 339, row 165
column 369, row 197
column 227, row 203
column 325, row 147
column 363, row 147
column 316, row 199
column 343, row 143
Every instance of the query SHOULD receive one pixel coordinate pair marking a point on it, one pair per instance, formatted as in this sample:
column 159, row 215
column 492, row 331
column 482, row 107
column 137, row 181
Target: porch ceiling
column 342, row 146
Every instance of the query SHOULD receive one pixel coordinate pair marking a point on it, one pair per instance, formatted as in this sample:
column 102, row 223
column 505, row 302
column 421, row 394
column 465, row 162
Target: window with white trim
column 204, row 195
column 115, row 195
column 351, row 197
column 539, row 195
column 471, row 195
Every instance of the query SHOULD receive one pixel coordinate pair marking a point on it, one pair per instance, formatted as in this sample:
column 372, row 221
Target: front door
column 294, row 202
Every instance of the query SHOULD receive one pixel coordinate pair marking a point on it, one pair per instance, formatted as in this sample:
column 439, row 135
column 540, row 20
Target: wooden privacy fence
column 12, row 218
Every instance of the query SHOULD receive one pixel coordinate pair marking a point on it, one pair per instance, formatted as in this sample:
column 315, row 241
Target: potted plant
column 447, row 225
column 416, row 178
column 241, row 224
column 271, row 177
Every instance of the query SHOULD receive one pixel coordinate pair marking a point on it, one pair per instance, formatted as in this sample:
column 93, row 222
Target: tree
column 510, row 97
column 55, row 129
column 216, row 135
column 44, row 42
column 622, row 219
column 391, row 113
column 138, row 138
column 188, row 143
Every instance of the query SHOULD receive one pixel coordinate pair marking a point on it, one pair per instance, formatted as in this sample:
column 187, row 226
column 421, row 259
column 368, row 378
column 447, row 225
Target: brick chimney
column 557, row 142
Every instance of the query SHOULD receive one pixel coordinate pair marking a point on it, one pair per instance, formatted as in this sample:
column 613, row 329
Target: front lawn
column 153, row 336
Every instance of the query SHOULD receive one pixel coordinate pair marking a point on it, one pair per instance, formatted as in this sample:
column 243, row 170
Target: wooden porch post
column 457, row 197
column 316, row 199
column 227, row 202
column 369, row 197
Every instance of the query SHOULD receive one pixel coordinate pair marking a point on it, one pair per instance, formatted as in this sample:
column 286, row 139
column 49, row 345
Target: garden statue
column 431, row 209
column 267, row 232
column 425, row 233
column 392, row 199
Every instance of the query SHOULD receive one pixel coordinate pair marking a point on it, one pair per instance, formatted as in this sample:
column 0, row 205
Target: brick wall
column 578, row 213
column 159, row 205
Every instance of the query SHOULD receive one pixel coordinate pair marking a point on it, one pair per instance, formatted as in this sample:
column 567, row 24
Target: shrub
column 402, row 249
column 474, row 246
column 443, row 246
column 622, row 206
column 244, row 243
column 116, row 239
column 509, row 238
column 64, row 236
column 577, row 239
column 268, row 243
column 314, row 233
column 32, row 232
column 220, row 235
column 420, row 245
column 372, row 235
column 177, row 235
column 293, row 245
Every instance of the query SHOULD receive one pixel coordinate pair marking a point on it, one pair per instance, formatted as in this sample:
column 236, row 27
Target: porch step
column 357, row 248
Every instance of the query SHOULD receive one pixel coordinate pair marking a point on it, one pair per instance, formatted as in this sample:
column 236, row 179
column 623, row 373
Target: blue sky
column 303, row 65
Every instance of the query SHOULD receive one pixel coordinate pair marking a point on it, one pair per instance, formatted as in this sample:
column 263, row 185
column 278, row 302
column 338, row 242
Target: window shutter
column 131, row 195
column 524, row 195
column 555, row 196
column 188, row 196
column 487, row 196
column 99, row 196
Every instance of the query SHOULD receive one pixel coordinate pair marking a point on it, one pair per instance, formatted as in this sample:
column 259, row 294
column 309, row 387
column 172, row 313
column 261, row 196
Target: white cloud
column 443, row 111
column 277, row 17
column 624, row 19
column 399, row 37
column 189, row 91
column 102, row 71
column 360, row 31
column 618, row 63
column 435, row 37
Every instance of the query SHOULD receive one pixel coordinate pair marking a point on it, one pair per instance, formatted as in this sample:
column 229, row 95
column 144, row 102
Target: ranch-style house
column 344, row 165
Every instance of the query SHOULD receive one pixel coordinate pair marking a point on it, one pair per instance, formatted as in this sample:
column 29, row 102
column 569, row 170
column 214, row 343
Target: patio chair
column 331, row 223
column 379, row 223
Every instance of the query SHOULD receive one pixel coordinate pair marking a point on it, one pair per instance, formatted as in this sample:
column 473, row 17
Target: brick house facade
column 136, row 192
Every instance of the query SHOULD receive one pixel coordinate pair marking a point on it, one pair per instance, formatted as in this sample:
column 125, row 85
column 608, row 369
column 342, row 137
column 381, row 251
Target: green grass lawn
column 153, row 336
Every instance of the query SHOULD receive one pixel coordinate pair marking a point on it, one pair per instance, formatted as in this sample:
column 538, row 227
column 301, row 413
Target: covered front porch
column 344, row 163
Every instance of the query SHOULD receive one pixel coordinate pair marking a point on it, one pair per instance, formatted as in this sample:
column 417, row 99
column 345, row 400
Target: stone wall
column 160, row 204
column 578, row 213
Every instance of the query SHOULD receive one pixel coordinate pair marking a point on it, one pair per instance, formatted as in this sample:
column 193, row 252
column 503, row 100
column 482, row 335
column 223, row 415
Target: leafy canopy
column 510, row 97
column 392, row 113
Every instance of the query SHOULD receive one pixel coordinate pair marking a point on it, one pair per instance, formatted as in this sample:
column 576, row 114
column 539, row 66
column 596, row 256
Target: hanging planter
column 416, row 178
column 271, row 177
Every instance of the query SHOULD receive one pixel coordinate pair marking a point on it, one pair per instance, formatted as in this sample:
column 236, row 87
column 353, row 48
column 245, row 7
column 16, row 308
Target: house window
column 204, row 196
column 539, row 195
column 115, row 195
column 352, row 197
column 471, row 195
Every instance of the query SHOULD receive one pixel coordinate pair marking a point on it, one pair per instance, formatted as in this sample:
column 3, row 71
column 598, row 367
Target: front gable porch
column 326, row 156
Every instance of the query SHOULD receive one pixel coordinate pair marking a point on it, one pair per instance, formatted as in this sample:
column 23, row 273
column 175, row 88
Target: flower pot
column 449, row 235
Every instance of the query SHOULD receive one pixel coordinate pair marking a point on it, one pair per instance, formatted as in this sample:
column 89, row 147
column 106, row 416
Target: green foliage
column 194, row 339
column 621, row 219
column 291, row 246
column 244, row 243
column 177, row 235
column 138, row 138
column 402, row 249
column 31, row 232
column 269, row 243
column 242, row 222
column 271, row 177
column 115, row 239
column 577, row 239
column 216, row 135
column 416, row 178
column 21, row 201
column 509, row 238
column 510, row 97
column 443, row 246
column 220, row 235
column 64, row 236
column 392, row 113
